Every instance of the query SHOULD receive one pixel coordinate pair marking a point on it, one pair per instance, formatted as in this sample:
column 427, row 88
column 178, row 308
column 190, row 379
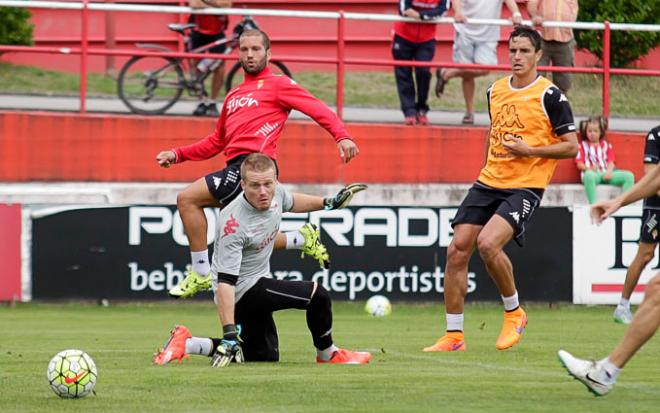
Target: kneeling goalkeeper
column 245, row 295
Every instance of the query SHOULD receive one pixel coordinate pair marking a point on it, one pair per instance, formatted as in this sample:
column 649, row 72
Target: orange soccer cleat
column 175, row 348
column 342, row 356
column 514, row 324
column 452, row 341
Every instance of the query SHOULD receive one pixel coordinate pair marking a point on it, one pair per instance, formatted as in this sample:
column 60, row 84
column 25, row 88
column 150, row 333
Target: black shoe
column 201, row 109
column 212, row 110
column 440, row 84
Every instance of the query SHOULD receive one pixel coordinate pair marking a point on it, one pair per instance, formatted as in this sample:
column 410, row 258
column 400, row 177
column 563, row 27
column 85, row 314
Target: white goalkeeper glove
column 343, row 197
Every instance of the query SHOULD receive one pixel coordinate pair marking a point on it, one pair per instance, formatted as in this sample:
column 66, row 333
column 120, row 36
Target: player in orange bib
column 531, row 127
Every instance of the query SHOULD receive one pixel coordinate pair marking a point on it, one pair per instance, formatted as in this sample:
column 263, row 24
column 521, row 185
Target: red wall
column 73, row 147
column 10, row 252
column 291, row 36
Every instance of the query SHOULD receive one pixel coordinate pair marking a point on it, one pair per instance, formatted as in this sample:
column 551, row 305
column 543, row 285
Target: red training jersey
column 420, row 32
column 209, row 24
column 253, row 115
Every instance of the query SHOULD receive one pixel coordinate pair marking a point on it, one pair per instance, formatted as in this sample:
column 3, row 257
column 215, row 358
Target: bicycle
column 150, row 85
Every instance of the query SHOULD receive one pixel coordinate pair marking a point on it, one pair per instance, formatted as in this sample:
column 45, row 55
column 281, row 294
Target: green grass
column 632, row 96
column 400, row 378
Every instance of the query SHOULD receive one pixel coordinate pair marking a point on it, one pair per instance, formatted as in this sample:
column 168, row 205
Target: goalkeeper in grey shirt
column 246, row 296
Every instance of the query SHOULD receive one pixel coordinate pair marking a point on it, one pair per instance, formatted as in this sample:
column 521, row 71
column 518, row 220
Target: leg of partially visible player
column 459, row 252
column 644, row 325
column 645, row 253
column 492, row 239
column 191, row 203
column 600, row 377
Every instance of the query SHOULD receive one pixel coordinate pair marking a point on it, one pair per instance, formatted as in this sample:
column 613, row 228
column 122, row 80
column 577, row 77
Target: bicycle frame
column 192, row 77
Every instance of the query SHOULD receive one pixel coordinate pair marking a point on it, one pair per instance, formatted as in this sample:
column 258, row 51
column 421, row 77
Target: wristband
column 229, row 332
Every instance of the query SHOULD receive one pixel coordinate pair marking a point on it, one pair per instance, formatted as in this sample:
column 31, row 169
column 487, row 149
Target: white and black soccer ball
column 71, row 374
column 378, row 306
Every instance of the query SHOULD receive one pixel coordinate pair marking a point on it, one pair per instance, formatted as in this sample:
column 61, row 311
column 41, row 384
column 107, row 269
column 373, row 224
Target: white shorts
column 467, row 50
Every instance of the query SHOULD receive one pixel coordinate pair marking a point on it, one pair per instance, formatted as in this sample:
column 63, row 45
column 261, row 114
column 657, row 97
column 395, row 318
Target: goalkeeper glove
column 229, row 348
column 343, row 197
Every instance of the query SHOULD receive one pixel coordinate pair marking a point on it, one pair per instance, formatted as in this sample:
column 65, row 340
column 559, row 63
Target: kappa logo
column 508, row 118
column 230, row 226
column 516, row 216
column 651, row 137
column 216, row 182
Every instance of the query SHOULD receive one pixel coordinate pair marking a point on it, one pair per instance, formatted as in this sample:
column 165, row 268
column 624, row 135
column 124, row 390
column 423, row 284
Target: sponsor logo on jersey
column 238, row 102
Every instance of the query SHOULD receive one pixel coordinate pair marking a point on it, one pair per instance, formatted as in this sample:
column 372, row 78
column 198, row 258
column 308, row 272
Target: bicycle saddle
column 180, row 28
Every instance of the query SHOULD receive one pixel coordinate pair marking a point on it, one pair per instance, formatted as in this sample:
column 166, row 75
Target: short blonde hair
column 257, row 162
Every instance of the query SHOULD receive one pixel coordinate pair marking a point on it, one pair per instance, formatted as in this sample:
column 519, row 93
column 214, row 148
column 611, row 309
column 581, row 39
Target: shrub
column 625, row 47
column 15, row 27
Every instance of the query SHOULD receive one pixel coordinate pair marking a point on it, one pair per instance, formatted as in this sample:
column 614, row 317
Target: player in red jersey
column 251, row 120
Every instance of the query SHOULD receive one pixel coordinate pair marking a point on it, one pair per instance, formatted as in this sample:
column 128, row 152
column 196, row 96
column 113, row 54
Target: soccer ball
column 378, row 306
column 71, row 374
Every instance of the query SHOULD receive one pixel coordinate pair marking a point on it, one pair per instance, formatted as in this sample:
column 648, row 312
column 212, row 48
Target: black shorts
column 254, row 313
column 225, row 184
column 198, row 39
column 515, row 205
column 648, row 232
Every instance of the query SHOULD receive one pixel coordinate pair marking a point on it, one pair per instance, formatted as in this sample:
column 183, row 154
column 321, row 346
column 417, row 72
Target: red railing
column 340, row 61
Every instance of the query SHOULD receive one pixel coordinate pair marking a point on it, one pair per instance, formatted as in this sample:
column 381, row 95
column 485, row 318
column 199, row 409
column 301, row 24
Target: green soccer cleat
column 191, row 285
column 313, row 246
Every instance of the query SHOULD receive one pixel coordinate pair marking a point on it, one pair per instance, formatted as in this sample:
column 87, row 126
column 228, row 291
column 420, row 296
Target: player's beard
column 256, row 69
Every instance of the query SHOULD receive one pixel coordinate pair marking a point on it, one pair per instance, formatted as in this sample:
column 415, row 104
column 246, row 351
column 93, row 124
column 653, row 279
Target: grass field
column 121, row 338
column 631, row 96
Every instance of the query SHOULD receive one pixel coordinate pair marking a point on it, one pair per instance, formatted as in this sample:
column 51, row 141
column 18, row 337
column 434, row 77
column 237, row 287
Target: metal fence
column 340, row 61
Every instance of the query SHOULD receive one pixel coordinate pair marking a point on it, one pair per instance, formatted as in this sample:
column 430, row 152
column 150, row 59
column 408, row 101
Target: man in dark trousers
column 416, row 42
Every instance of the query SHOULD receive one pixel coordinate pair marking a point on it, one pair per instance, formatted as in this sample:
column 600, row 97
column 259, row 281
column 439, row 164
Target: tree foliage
column 626, row 46
column 15, row 26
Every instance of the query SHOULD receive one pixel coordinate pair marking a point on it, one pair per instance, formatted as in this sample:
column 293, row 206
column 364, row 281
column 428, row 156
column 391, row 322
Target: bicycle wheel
column 150, row 85
column 235, row 75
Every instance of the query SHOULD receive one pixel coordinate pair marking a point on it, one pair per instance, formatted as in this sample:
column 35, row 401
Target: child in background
column 595, row 159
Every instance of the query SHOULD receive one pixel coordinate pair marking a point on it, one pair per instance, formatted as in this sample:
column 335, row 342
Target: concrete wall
column 109, row 148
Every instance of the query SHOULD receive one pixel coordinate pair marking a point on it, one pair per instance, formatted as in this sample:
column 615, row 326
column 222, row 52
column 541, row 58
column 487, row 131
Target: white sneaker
column 597, row 380
column 623, row 315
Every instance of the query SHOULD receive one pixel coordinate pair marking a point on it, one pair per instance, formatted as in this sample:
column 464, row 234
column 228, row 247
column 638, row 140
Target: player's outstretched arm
column 309, row 203
column 646, row 187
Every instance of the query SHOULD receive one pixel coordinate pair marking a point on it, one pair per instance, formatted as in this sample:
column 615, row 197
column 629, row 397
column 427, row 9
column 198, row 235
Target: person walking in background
column 531, row 128
column 209, row 28
column 558, row 43
column 600, row 376
column 595, row 159
column 648, row 237
column 474, row 43
column 416, row 42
